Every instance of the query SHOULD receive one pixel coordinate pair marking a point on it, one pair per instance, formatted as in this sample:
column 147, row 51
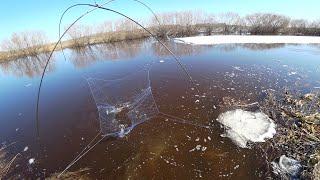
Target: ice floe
column 244, row 126
column 231, row 39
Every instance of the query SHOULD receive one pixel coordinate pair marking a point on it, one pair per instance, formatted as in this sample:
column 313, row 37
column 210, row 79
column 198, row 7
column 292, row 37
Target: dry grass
column 3, row 163
column 6, row 163
column 81, row 174
column 316, row 171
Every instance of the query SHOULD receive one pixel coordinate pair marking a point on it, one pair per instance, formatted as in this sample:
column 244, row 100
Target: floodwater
column 159, row 147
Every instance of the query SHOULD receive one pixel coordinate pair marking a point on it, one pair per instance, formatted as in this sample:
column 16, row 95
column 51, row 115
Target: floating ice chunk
column 27, row 85
column 244, row 126
column 31, row 160
column 287, row 166
column 25, row 149
column 161, row 61
column 204, row 148
column 122, row 132
column 176, row 146
column 237, row 68
column 292, row 73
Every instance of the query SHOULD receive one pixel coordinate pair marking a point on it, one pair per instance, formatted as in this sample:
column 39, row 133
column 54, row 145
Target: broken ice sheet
column 244, row 126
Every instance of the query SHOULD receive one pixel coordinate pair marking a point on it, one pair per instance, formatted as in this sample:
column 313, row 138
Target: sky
column 44, row 15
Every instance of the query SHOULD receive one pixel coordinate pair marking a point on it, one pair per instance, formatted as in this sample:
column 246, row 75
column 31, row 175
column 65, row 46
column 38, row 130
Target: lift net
column 123, row 103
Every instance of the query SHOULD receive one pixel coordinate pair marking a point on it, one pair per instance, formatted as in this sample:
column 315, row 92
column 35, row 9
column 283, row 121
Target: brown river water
column 188, row 146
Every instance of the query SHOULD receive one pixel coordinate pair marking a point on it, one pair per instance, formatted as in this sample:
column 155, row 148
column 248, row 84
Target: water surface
column 158, row 148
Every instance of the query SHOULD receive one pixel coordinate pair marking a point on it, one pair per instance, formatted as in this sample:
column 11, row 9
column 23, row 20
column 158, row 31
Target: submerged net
column 123, row 103
column 127, row 102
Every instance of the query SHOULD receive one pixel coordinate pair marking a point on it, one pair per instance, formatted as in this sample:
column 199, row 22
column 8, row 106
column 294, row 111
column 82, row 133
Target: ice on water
column 245, row 126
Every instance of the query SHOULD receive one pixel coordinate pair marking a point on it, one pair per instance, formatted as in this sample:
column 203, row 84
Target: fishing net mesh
column 123, row 103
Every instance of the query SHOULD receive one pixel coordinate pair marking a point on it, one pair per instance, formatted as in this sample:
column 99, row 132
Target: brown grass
column 81, row 174
column 6, row 163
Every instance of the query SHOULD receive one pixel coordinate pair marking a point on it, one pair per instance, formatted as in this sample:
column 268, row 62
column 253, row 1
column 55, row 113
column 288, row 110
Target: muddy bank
column 298, row 130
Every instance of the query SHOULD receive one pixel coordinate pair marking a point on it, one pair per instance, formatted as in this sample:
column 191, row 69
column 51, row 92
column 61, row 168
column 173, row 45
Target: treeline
column 165, row 25
column 193, row 22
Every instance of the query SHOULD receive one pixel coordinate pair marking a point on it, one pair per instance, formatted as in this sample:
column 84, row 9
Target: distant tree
column 313, row 28
column 266, row 23
column 209, row 22
column 298, row 26
column 230, row 22
column 28, row 42
column 80, row 35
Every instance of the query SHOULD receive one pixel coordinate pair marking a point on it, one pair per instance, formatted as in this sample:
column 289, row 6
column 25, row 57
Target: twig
column 81, row 155
column 5, row 147
column 7, row 168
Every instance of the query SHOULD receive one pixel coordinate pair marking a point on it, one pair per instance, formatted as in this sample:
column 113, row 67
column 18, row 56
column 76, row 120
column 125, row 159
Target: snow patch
column 233, row 39
column 244, row 126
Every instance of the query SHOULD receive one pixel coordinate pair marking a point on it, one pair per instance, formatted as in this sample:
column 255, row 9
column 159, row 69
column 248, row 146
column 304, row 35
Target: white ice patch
column 31, row 161
column 227, row 39
column 244, row 126
column 25, row 149
column 122, row 132
column 27, row 85
column 292, row 73
column 287, row 166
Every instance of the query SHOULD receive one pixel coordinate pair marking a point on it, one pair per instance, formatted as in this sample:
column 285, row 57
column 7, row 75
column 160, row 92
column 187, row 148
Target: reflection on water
column 83, row 57
column 178, row 48
column 229, row 77
column 259, row 47
column 29, row 66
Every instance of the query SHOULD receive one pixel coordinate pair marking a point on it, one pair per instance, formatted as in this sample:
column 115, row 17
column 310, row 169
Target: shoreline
column 248, row 39
column 139, row 34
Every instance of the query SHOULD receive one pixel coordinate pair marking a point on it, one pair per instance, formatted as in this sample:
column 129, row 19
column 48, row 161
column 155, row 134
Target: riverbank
column 162, row 31
column 180, row 32
column 110, row 37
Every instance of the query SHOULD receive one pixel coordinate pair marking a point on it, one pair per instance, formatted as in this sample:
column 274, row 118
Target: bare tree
column 106, row 26
column 298, row 26
column 209, row 21
column 266, row 23
column 28, row 43
column 230, row 21
column 80, row 35
column 313, row 28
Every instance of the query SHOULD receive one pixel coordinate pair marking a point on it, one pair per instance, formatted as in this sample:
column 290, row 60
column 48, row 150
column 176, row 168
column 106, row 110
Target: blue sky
column 44, row 15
